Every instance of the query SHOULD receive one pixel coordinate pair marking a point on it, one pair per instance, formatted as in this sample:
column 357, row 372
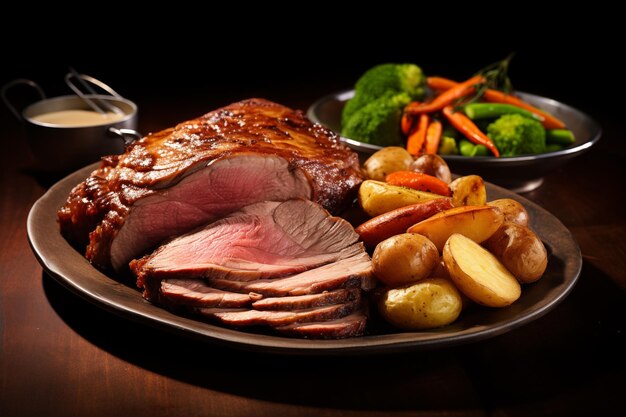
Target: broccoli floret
column 384, row 79
column 514, row 134
column 378, row 122
column 402, row 78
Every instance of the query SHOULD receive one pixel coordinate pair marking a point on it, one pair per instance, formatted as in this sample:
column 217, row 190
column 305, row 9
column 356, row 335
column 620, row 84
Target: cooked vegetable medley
column 477, row 117
column 439, row 245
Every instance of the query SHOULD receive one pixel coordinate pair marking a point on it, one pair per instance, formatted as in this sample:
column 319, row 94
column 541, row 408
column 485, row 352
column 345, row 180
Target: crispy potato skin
column 432, row 165
column 478, row 274
column 513, row 211
column 520, row 251
column 425, row 305
column 403, row 259
column 476, row 222
column 468, row 191
column 386, row 161
column 376, row 197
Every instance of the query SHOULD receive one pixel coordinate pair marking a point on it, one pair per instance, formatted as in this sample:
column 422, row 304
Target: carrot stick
column 495, row 96
column 417, row 138
column 463, row 124
column 406, row 123
column 433, row 136
column 396, row 221
column 419, row 181
column 440, row 83
column 549, row 121
column 447, row 97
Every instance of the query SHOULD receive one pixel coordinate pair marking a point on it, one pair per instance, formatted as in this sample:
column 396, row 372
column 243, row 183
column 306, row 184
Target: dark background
column 66, row 357
column 217, row 57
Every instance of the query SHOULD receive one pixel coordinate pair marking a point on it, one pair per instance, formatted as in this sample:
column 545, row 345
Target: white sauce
column 77, row 118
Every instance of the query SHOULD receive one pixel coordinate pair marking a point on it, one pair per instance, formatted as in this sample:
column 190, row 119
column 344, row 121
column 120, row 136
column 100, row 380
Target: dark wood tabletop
column 62, row 356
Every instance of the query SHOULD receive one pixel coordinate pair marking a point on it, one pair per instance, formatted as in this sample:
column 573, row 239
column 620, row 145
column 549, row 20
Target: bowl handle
column 11, row 84
column 129, row 136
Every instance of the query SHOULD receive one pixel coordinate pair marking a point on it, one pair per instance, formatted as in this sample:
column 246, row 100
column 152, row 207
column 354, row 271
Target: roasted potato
column 386, row 161
column 425, row 305
column 477, row 223
column 403, row 259
column 520, row 251
column 478, row 274
column 395, row 222
column 513, row 211
column 378, row 197
column 432, row 165
column 468, row 191
column 440, row 270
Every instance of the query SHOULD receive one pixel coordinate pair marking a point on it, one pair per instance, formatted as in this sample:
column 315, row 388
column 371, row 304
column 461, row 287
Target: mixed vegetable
column 477, row 117
column 438, row 245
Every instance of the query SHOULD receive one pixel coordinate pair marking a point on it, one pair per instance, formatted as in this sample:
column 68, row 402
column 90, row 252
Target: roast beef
column 353, row 272
column 280, row 318
column 237, row 205
column 348, row 326
column 300, row 302
column 268, row 239
column 194, row 293
column 269, row 264
column 173, row 181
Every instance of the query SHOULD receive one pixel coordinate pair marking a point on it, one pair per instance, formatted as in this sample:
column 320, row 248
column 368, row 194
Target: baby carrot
column 433, row 137
column 416, row 139
column 418, row 181
column 463, row 124
column 447, row 97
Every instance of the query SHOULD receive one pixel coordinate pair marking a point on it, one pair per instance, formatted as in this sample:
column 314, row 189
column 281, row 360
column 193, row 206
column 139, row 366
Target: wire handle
column 100, row 106
column 129, row 136
column 13, row 83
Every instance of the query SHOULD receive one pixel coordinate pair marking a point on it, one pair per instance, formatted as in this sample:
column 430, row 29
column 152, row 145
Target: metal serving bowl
column 517, row 173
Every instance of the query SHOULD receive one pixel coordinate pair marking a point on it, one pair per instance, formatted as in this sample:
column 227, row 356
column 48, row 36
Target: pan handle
column 129, row 136
column 11, row 84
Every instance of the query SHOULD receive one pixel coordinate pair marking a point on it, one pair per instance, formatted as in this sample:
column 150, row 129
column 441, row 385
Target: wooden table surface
column 61, row 356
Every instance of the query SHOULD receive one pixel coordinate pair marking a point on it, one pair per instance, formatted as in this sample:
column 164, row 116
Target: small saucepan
column 66, row 133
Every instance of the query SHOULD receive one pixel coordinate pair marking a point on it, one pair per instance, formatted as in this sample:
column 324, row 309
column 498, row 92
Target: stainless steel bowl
column 517, row 173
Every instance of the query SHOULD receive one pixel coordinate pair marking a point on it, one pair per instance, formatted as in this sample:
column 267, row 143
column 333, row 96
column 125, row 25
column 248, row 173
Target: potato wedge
column 403, row 259
column 478, row 274
column 468, row 191
column 477, row 223
column 513, row 211
column 395, row 222
column 377, row 197
column 425, row 305
column 520, row 251
column 386, row 161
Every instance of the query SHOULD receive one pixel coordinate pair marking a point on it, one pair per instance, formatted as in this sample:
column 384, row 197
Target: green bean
column 491, row 110
column 467, row 148
column 560, row 137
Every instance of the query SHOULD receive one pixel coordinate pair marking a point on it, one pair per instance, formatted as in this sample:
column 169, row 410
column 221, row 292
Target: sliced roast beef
column 269, row 239
column 269, row 264
column 348, row 326
column 280, row 318
column 173, row 181
column 354, row 272
column 195, row 293
column 299, row 302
